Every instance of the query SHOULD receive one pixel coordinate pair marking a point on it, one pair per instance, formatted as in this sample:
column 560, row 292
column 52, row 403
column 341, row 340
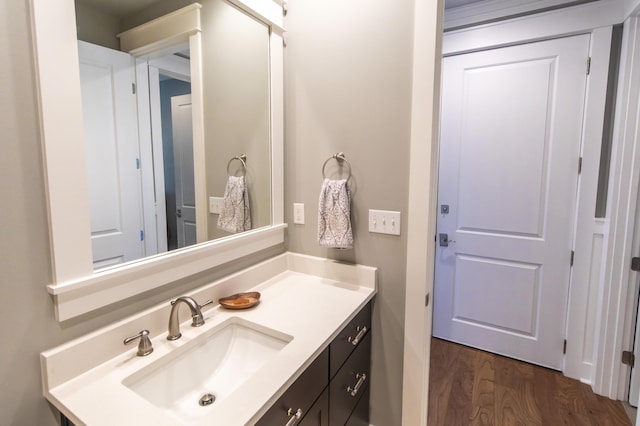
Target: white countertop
column 310, row 299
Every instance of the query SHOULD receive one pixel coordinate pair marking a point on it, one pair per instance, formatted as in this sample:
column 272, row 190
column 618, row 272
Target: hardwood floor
column 471, row 387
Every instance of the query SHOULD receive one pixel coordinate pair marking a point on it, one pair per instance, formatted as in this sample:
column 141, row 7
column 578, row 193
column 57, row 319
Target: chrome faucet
column 196, row 315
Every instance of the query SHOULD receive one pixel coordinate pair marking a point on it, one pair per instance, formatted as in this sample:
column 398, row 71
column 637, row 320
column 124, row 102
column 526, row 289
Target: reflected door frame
column 148, row 72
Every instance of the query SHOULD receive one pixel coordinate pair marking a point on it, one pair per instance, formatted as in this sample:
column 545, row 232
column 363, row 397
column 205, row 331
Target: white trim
column 199, row 151
column 610, row 374
column 562, row 22
column 423, row 174
column 163, row 32
column 63, row 147
column 575, row 365
column 147, row 174
column 276, row 78
column 270, row 12
column 58, row 78
column 103, row 288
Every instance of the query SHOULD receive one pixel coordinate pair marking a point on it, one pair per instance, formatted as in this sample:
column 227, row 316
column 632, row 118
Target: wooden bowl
column 240, row 300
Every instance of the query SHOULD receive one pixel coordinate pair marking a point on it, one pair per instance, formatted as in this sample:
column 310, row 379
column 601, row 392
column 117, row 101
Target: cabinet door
column 318, row 415
column 300, row 395
column 351, row 382
column 360, row 415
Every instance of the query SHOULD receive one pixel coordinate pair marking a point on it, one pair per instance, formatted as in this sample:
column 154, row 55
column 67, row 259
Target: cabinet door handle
column 361, row 332
column 294, row 417
column 353, row 391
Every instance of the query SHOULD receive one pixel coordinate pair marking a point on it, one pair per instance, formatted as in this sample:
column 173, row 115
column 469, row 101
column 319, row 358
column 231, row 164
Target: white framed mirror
column 76, row 287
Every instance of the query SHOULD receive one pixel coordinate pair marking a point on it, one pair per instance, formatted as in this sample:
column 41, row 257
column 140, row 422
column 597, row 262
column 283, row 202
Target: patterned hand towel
column 235, row 215
column 334, row 215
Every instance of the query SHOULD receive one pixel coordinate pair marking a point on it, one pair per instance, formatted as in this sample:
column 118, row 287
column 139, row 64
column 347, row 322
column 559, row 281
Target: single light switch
column 298, row 213
column 215, row 205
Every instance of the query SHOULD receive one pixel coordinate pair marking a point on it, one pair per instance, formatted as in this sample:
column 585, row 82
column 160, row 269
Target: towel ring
column 338, row 157
column 242, row 158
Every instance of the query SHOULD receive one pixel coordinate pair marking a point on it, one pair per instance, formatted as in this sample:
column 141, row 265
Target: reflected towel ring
column 242, row 158
column 338, row 157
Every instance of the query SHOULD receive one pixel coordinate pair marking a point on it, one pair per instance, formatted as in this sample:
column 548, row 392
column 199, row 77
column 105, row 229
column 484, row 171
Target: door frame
column 617, row 299
column 595, row 18
column 148, row 90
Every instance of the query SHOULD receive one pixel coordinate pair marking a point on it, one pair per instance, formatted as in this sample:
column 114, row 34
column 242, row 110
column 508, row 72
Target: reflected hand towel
column 334, row 215
column 235, row 215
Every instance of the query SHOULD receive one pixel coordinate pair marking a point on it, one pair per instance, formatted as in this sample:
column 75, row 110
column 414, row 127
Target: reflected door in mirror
column 110, row 126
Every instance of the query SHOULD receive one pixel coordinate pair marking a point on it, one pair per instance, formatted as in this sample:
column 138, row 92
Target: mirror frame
column 75, row 287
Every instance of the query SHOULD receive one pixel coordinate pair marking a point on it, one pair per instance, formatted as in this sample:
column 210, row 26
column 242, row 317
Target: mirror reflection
column 144, row 197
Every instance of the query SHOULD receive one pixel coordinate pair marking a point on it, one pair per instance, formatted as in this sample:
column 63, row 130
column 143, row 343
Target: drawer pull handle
column 361, row 332
column 294, row 417
column 353, row 391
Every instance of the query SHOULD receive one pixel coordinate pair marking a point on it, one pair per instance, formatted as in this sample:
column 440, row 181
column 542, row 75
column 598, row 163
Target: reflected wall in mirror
column 151, row 188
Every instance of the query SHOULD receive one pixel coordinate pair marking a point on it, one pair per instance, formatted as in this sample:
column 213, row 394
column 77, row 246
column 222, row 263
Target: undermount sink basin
column 215, row 363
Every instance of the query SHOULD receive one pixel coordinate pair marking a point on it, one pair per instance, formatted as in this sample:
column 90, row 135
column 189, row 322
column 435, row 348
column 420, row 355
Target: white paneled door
column 111, row 141
column 509, row 152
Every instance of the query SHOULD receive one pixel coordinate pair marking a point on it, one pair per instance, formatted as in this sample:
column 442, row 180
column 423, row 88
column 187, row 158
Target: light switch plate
column 298, row 213
column 215, row 205
column 384, row 222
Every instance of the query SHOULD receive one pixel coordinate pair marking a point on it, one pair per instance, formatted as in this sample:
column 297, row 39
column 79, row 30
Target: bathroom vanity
column 301, row 356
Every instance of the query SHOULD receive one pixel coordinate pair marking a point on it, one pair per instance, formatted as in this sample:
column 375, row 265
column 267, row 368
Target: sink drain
column 207, row 399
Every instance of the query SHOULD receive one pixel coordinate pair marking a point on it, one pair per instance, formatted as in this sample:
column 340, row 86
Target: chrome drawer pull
column 361, row 332
column 294, row 417
column 353, row 391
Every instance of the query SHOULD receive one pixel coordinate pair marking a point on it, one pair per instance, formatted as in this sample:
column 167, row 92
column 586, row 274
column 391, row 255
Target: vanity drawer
column 350, row 384
column 343, row 344
column 300, row 395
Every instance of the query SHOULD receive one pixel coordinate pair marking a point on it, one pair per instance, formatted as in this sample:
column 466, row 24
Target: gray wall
column 235, row 85
column 348, row 88
column 97, row 27
column 27, row 318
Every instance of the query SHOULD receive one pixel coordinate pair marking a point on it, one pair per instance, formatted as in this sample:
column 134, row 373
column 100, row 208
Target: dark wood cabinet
column 350, row 383
column 341, row 396
column 318, row 415
column 301, row 395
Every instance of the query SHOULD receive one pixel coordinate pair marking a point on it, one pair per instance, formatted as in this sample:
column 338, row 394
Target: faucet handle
column 144, row 347
column 208, row 302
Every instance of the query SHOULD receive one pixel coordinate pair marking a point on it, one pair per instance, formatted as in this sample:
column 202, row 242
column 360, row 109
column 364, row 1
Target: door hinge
column 628, row 358
column 573, row 253
column 564, row 347
column 588, row 65
column 426, row 300
column 635, row 263
column 133, row 88
column 579, row 165
column 141, row 235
